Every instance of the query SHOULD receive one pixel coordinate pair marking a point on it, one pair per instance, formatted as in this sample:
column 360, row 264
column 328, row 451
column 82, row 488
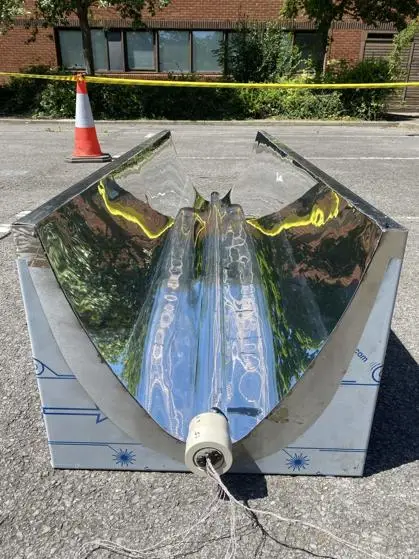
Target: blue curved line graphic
column 92, row 412
column 41, row 368
column 376, row 370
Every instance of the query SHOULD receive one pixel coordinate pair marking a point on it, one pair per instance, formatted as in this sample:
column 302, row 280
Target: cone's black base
column 89, row 158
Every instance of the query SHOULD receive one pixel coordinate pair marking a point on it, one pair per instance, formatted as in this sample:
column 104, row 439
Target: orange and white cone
column 86, row 144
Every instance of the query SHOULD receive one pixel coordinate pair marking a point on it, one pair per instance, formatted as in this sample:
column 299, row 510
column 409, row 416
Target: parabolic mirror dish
column 217, row 298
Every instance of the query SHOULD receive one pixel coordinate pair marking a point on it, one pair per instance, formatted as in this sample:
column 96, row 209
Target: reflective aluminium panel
column 212, row 299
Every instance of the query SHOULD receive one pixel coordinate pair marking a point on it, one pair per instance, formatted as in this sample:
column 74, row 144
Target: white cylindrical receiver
column 208, row 438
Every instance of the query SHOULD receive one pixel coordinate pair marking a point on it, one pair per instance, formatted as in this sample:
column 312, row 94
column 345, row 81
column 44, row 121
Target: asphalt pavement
column 47, row 513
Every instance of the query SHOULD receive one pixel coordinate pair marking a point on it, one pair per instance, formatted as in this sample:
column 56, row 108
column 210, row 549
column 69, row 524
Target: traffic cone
column 86, row 144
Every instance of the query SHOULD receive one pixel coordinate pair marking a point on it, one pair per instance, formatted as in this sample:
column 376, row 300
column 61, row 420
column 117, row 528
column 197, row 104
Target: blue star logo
column 124, row 457
column 298, row 462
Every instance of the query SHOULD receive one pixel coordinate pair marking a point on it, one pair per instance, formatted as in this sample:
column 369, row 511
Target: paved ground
column 46, row 513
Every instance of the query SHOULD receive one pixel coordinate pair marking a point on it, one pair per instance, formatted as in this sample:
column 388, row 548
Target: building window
column 71, row 49
column 164, row 51
column 310, row 45
column 115, row 51
column 140, row 50
column 100, row 57
column 205, row 45
column 174, row 54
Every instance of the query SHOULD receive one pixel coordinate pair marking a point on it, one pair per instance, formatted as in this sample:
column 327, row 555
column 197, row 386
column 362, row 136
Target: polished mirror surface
column 200, row 300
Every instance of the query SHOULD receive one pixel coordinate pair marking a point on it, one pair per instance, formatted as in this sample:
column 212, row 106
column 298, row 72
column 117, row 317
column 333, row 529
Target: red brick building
column 179, row 38
column 182, row 38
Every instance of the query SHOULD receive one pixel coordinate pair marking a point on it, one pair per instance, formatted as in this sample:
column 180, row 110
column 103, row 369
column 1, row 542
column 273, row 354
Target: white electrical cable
column 232, row 548
column 212, row 473
column 178, row 539
column 153, row 551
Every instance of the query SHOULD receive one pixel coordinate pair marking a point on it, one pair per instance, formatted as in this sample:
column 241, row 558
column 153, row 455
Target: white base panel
column 80, row 436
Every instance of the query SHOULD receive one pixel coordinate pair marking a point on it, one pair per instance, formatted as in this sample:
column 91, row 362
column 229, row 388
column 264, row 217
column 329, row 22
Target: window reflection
column 140, row 50
column 205, row 45
column 174, row 51
column 71, row 48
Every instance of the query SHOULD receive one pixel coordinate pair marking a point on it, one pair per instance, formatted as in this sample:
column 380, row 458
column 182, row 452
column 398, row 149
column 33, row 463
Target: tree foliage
column 260, row 53
column 58, row 12
column 401, row 42
column 372, row 12
column 9, row 10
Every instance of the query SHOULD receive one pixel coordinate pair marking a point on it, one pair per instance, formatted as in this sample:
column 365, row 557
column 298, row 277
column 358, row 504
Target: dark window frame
column 106, row 45
column 57, row 31
column 154, row 36
column 380, row 36
column 308, row 32
column 156, row 50
column 189, row 32
column 107, row 30
column 224, row 33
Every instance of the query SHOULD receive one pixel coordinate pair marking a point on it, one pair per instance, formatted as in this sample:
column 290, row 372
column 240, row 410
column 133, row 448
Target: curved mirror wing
column 211, row 299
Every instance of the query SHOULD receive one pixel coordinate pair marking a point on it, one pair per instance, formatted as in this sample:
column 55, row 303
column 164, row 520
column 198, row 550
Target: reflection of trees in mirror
column 309, row 276
column 132, row 357
column 294, row 347
column 102, row 268
column 145, row 288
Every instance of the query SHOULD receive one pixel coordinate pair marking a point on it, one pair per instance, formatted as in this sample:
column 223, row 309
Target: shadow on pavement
column 245, row 487
column 401, row 116
column 395, row 430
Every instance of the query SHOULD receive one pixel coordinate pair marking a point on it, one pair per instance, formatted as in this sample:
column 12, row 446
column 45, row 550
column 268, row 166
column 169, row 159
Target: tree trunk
column 324, row 30
column 82, row 11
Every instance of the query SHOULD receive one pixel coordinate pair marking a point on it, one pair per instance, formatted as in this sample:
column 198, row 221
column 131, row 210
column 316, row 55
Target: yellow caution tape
column 130, row 214
column 179, row 83
column 39, row 76
column 316, row 217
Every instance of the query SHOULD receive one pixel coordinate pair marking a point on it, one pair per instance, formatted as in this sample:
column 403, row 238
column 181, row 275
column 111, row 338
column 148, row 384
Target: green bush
column 21, row 96
column 259, row 53
column 56, row 99
column 368, row 104
column 190, row 103
column 303, row 103
column 293, row 103
column 175, row 103
column 402, row 41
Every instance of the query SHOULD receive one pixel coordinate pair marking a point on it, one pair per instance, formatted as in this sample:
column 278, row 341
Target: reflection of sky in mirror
column 268, row 181
column 160, row 180
column 263, row 182
column 198, row 303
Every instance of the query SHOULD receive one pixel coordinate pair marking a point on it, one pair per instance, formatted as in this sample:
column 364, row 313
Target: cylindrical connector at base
column 209, row 439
